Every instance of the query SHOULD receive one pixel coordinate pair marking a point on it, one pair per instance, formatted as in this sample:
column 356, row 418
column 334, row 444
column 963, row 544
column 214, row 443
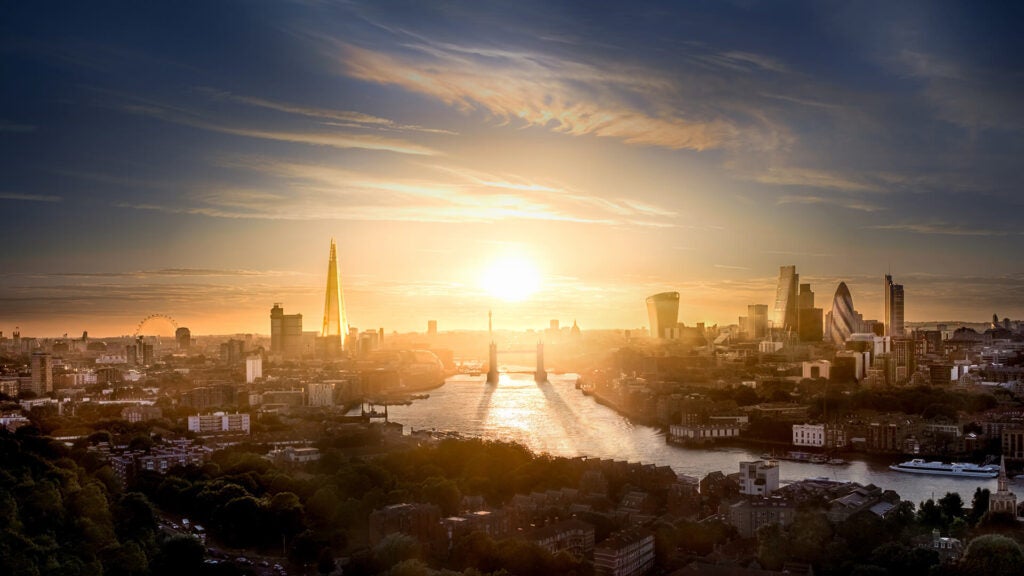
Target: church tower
column 335, row 326
column 1003, row 500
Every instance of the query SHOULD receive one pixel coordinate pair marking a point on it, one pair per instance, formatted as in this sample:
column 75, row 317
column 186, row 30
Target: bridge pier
column 540, row 375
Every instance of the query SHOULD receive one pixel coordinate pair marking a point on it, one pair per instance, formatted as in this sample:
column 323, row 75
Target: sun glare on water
column 511, row 279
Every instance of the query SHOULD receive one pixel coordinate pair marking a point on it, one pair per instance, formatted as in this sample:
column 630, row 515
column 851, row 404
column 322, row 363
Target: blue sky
column 195, row 158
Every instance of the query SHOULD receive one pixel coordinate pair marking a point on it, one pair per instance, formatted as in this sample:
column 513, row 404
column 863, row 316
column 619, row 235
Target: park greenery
column 64, row 512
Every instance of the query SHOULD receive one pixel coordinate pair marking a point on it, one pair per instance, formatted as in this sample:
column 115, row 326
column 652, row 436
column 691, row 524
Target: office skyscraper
column 843, row 320
column 183, row 336
column 786, row 315
column 809, row 316
column 285, row 332
column 663, row 313
column 893, row 318
column 757, row 320
column 335, row 323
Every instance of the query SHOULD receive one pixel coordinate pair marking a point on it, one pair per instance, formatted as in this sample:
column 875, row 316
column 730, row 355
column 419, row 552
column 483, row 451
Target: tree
column 395, row 548
column 125, row 560
column 929, row 514
column 141, row 442
column 240, row 521
column 325, row 561
column 134, row 516
column 952, row 506
column 992, row 554
column 444, row 493
column 179, row 555
column 809, row 533
column 286, row 513
column 979, row 505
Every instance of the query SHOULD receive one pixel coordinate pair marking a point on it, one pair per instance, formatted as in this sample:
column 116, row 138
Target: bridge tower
column 541, row 375
column 492, row 357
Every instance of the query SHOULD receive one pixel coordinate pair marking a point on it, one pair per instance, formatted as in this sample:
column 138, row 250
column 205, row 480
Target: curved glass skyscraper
column 786, row 316
column 843, row 320
column 663, row 313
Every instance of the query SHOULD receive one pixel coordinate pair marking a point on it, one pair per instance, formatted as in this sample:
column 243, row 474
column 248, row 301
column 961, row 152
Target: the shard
column 335, row 323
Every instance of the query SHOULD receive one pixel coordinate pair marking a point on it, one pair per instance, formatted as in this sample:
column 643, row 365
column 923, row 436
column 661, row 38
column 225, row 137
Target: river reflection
column 556, row 418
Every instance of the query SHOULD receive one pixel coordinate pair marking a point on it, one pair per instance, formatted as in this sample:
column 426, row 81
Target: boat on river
column 919, row 466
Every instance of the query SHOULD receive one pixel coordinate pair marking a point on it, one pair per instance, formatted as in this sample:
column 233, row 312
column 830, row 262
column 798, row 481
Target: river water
column 556, row 418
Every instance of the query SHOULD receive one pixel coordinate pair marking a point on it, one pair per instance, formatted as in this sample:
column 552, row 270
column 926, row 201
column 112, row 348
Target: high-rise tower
column 663, row 313
column 335, row 323
column 893, row 318
column 843, row 320
column 787, row 315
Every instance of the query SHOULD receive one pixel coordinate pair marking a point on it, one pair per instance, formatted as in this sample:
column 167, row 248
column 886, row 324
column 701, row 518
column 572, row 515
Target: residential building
column 573, row 536
column 747, row 516
column 253, row 368
column 812, row 435
column 759, row 477
column 219, row 422
column 626, row 553
column 42, row 373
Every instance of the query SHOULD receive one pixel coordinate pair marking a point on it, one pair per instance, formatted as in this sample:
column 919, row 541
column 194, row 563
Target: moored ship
column 919, row 466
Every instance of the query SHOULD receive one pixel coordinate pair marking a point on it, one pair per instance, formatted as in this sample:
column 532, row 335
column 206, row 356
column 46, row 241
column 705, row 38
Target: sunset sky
column 196, row 158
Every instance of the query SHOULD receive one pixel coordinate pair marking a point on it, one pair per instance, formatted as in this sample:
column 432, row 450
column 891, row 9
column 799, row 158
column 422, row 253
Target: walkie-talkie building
column 663, row 313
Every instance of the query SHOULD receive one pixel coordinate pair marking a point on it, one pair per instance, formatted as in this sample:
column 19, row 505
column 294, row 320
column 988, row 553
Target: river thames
column 557, row 419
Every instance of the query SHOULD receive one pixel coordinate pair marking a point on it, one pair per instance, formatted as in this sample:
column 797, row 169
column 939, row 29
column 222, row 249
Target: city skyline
column 194, row 161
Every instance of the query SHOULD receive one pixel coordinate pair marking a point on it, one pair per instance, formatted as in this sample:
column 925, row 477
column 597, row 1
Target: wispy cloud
column 633, row 105
column 810, row 178
column 15, row 128
column 741, row 61
column 434, row 193
column 172, row 273
column 341, row 118
column 29, row 197
column 332, row 138
column 847, row 203
column 944, row 229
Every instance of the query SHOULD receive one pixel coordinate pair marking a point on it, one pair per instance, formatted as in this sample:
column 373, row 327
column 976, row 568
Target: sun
column 511, row 279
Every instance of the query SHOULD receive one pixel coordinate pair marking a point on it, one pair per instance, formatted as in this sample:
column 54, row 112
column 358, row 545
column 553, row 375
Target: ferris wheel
column 154, row 319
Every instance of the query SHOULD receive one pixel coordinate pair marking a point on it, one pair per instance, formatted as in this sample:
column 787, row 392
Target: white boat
column 919, row 466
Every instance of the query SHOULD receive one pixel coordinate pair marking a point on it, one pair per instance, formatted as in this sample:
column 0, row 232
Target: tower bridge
column 540, row 375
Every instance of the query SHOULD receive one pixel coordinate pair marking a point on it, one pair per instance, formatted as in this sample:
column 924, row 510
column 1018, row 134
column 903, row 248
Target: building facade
column 893, row 319
column 335, row 325
column 219, row 422
column 663, row 313
column 843, row 320
column 626, row 553
column 812, row 435
column 759, row 478
column 42, row 373
column 285, row 332
column 786, row 311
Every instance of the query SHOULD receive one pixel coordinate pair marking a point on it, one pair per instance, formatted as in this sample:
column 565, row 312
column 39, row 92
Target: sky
column 194, row 159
